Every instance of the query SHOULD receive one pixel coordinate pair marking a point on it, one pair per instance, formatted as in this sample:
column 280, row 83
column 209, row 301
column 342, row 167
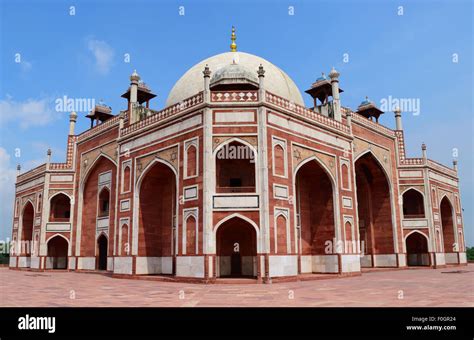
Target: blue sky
column 386, row 54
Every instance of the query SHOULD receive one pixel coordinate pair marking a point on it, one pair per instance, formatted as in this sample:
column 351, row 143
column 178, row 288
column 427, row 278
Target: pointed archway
column 57, row 253
column 156, row 220
column 446, row 210
column 98, row 200
column 315, row 216
column 374, row 208
column 102, row 249
column 417, row 249
column 235, row 167
column 236, row 241
column 413, row 204
column 60, row 208
column 27, row 222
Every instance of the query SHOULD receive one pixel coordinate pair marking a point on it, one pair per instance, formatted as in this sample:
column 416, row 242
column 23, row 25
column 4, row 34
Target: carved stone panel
column 219, row 140
column 382, row 155
column 170, row 155
column 88, row 158
column 300, row 154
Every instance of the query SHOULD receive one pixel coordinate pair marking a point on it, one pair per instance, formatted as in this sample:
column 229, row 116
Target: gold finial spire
column 233, row 46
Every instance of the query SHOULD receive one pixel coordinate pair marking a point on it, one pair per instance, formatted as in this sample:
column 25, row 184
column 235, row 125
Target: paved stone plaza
column 446, row 287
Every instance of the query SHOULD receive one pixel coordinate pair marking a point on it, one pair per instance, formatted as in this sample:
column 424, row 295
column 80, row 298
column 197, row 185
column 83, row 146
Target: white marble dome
column 276, row 81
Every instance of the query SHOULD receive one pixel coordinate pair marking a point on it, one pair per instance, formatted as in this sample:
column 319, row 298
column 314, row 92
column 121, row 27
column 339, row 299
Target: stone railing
column 442, row 168
column 234, row 96
column 32, row 173
column 368, row 123
column 163, row 114
column 302, row 111
column 59, row 166
column 412, row 161
column 98, row 129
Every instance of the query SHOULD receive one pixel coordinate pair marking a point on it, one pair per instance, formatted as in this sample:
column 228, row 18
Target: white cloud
column 103, row 55
column 26, row 66
column 31, row 112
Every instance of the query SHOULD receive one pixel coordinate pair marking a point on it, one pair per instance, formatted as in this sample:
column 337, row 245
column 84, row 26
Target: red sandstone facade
column 321, row 190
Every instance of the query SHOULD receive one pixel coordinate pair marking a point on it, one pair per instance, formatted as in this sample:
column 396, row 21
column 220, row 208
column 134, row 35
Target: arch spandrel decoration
column 109, row 150
column 31, row 198
column 448, row 194
column 219, row 140
column 300, row 154
column 383, row 156
column 404, row 188
column 53, row 192
column 169, row 155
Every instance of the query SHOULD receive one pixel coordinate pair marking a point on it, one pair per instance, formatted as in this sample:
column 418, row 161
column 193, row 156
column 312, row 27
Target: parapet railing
column 98, row 128
column 370, row 124
column 442, row 168
column 163, row 114
column 31, row 173
column 412, row 161
column 302, row 111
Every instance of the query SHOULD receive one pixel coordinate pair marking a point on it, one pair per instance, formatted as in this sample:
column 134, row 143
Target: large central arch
column 374, row 208
column 315, row 209
column 100, row 179
column 236, row 248
column 157, row 213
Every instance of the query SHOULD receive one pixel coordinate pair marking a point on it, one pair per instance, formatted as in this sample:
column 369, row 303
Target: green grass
column 4, row 258
column 470, row 253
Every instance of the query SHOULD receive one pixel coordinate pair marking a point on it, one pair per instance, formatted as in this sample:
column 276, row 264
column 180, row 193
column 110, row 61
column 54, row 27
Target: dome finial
column 233, row 45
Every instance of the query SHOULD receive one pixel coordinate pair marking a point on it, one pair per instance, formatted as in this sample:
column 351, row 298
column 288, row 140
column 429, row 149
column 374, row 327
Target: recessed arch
column 103, row 209
column 237, row 215
column 155, row 230
column 124, row 240
column 191, row 163
column 60, row 207
column 150, row 166
column 102, row 242
column 446, row 209
column 25, row 204
column 281, row 225
column 27, row 225
column 92, row 166
column 190, row 246
column 235, row 172
column 57, row 252
column 137, row 192
column 235, row 139
column 126, row 178
column 236, row 246
column 413, row 203
column 375, row 206
column 316, row 214
column 321, row 164
column 57, row 235
column 417, row 246
column 101, row 173
column 279, row 159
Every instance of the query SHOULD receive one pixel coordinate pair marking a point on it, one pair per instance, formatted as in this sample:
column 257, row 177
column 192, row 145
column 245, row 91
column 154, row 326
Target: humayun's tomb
column 235, row 177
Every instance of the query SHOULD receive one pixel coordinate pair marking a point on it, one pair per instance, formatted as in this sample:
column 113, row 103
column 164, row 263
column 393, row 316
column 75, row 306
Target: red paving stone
column 421, row 287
